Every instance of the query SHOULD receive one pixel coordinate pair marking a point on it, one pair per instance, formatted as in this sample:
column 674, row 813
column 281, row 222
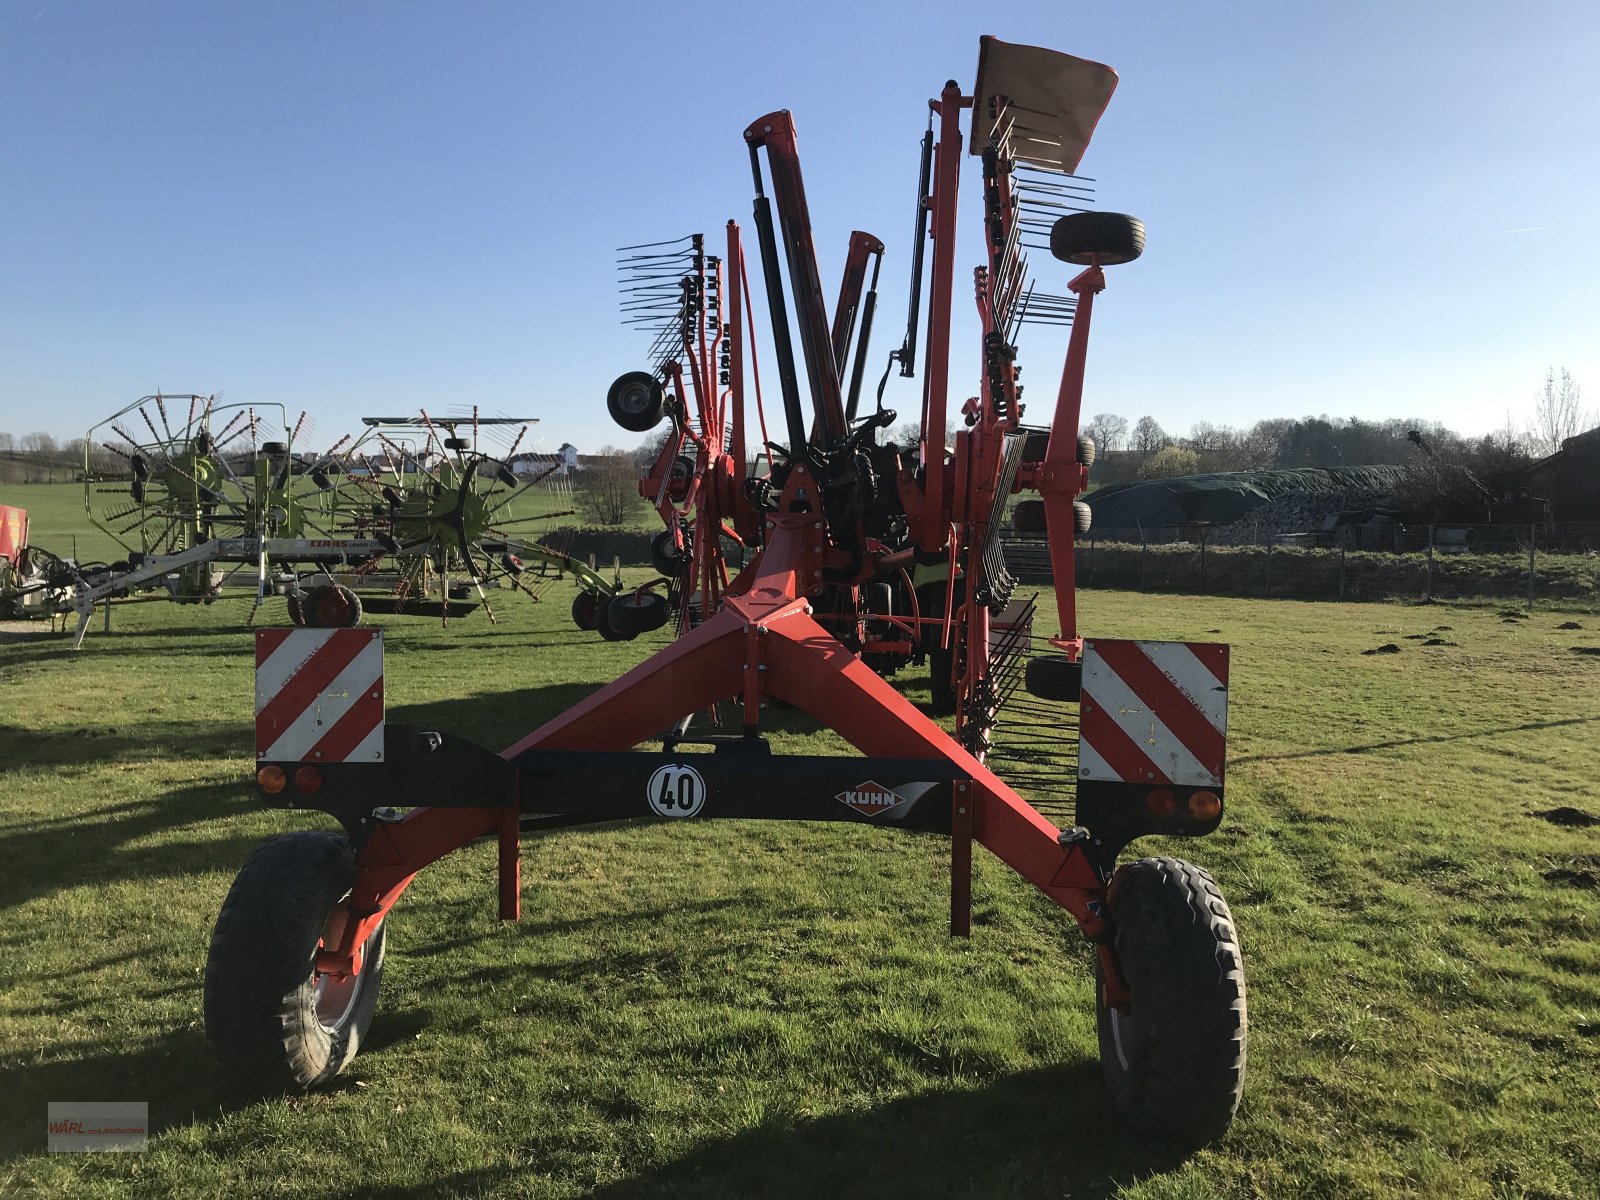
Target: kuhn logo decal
column 870, row 799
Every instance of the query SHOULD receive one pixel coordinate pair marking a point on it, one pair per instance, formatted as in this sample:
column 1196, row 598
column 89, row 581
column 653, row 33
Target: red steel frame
column 764, row 642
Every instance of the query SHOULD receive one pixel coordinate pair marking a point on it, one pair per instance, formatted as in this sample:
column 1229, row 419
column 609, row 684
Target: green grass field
column 777, row 1010
column 57, row 521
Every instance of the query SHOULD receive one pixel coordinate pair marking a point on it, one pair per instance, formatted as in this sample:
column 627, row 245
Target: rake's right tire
column 275, row 1024
column 1174, row 1063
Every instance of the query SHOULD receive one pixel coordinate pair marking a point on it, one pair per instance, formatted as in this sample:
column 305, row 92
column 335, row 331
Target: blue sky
column 355, row 207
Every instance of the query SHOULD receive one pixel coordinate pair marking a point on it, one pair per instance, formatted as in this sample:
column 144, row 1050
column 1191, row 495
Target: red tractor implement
column 836, row 539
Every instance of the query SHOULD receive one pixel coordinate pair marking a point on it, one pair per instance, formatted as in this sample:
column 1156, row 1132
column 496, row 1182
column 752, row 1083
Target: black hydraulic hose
column 869, row 305
column 783, row 347
column 908, row 348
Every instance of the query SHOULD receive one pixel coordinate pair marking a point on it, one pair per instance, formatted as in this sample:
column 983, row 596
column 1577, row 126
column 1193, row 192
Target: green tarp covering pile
column 1223, row 498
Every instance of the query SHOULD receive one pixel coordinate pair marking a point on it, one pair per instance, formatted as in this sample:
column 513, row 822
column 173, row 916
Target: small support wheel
column 1082, row 517
column 276, row 1024
column 636, row 401
column 297, row 609
column 603, row 625
column 1053, row 677
column 1113, row 238
column 634, row 613
column 1086, row 451
column 1174, row 1061
column 584, row 607
column 1027, row 516
column 666, row 556
column 331, row 606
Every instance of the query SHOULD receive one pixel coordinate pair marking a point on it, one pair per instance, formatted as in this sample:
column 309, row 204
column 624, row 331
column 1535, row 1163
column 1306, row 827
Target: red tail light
column 1161, row 804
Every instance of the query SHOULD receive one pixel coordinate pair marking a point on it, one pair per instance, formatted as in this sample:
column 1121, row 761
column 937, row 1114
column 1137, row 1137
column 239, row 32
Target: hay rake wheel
column 202, row 472
column 459, row 504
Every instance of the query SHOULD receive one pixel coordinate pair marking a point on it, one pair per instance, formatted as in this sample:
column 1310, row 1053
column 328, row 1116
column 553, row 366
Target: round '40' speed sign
column 676, row 790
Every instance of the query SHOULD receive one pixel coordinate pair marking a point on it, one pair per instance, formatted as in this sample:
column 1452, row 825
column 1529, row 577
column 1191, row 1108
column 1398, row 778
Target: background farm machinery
column 802, row 582
column 415, row 515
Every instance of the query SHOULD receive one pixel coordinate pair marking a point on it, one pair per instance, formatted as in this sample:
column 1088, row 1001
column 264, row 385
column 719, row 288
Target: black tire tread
column 606, row 628
column 260, row 958
column 666, row 556
column 1027, row 516
column 1052, row 677
column 1112, row 237
column 633, row 613
column 584, row 606
column 636, row 422
column 312, row 606
column 1179, row 951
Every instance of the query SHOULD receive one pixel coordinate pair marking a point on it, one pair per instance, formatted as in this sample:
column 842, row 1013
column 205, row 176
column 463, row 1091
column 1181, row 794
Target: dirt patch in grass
column 1584, row 880
column 1590, row 650
column 1386, row 648
column 1569, row 625
column 1567, row 815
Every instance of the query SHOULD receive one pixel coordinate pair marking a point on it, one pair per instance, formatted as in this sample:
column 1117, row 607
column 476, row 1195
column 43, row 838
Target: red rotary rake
column 834, row 532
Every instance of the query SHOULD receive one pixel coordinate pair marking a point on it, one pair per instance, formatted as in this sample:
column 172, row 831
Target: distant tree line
column 1147, row 451
column 39, row 458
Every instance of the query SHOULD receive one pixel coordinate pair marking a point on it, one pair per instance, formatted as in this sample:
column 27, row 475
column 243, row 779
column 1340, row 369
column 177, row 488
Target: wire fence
column 1550, row 563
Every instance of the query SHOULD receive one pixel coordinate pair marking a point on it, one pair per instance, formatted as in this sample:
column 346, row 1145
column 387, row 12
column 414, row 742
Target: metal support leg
column 961, row 861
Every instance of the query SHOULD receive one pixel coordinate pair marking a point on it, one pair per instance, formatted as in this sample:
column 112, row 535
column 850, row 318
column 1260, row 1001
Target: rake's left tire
column 1175, row 1061
column 275, row 1024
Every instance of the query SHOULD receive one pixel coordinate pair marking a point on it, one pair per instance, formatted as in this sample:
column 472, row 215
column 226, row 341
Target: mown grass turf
column 748, row 1009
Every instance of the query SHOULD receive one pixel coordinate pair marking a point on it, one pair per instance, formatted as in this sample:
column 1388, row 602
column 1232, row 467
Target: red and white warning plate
column 319, row 695
column 1153, row 712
